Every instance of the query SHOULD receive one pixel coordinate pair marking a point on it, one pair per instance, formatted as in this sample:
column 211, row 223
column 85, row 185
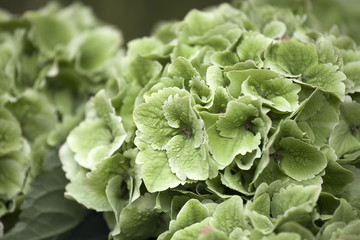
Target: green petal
column 229, row 215
column 294, row 227
column 283, row 236
column 191, row 232
column 13, row 168
column 98, row 49
column 179, row 114
column 142, row 71
column 155, row 171
column 224, row 58
column 215, row 77
column 139, row 219
column 237, row 78
column 10, row 133
column 197, row 23
column 234, row 181
column 290, row 57
column 318, row 119
column 280, row 93
column 210, row 233
column 90, row 137
column 336, row 177
column 225, row 149
column 187, row 161
column 182, row 68
column 150, row 120
column 300, row 160
column 251, row 46
column 342, row 140
column 293, row 197
column 352, row 73
column 35, row 114
column 191, row 213
column 274, row 29
column 50, row 33
column 238, row 115
column 327, row 78
column 145, row 47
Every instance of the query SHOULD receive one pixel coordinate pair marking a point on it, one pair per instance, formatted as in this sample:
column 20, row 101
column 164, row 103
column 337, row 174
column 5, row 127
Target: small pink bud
column 285, row 39
column 205, row 230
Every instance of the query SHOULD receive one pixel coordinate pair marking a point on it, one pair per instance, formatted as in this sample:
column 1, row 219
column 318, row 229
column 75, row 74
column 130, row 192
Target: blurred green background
column 136, row 18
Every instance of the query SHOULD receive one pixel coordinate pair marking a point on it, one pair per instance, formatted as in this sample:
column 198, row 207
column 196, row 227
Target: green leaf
column 45, row 212
column 350, row 231
column 184, row 50
column 229, row 215
column 300, row 160
column 246, row 162
column 94, row 185
column 114, row 192
column 327, row 52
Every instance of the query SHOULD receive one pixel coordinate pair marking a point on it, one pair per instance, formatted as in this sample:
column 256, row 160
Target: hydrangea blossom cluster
column 238, row 122
column 52, row 61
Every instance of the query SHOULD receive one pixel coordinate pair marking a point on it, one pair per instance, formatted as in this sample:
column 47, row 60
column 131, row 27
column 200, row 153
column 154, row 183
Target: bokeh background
column 136, row 18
